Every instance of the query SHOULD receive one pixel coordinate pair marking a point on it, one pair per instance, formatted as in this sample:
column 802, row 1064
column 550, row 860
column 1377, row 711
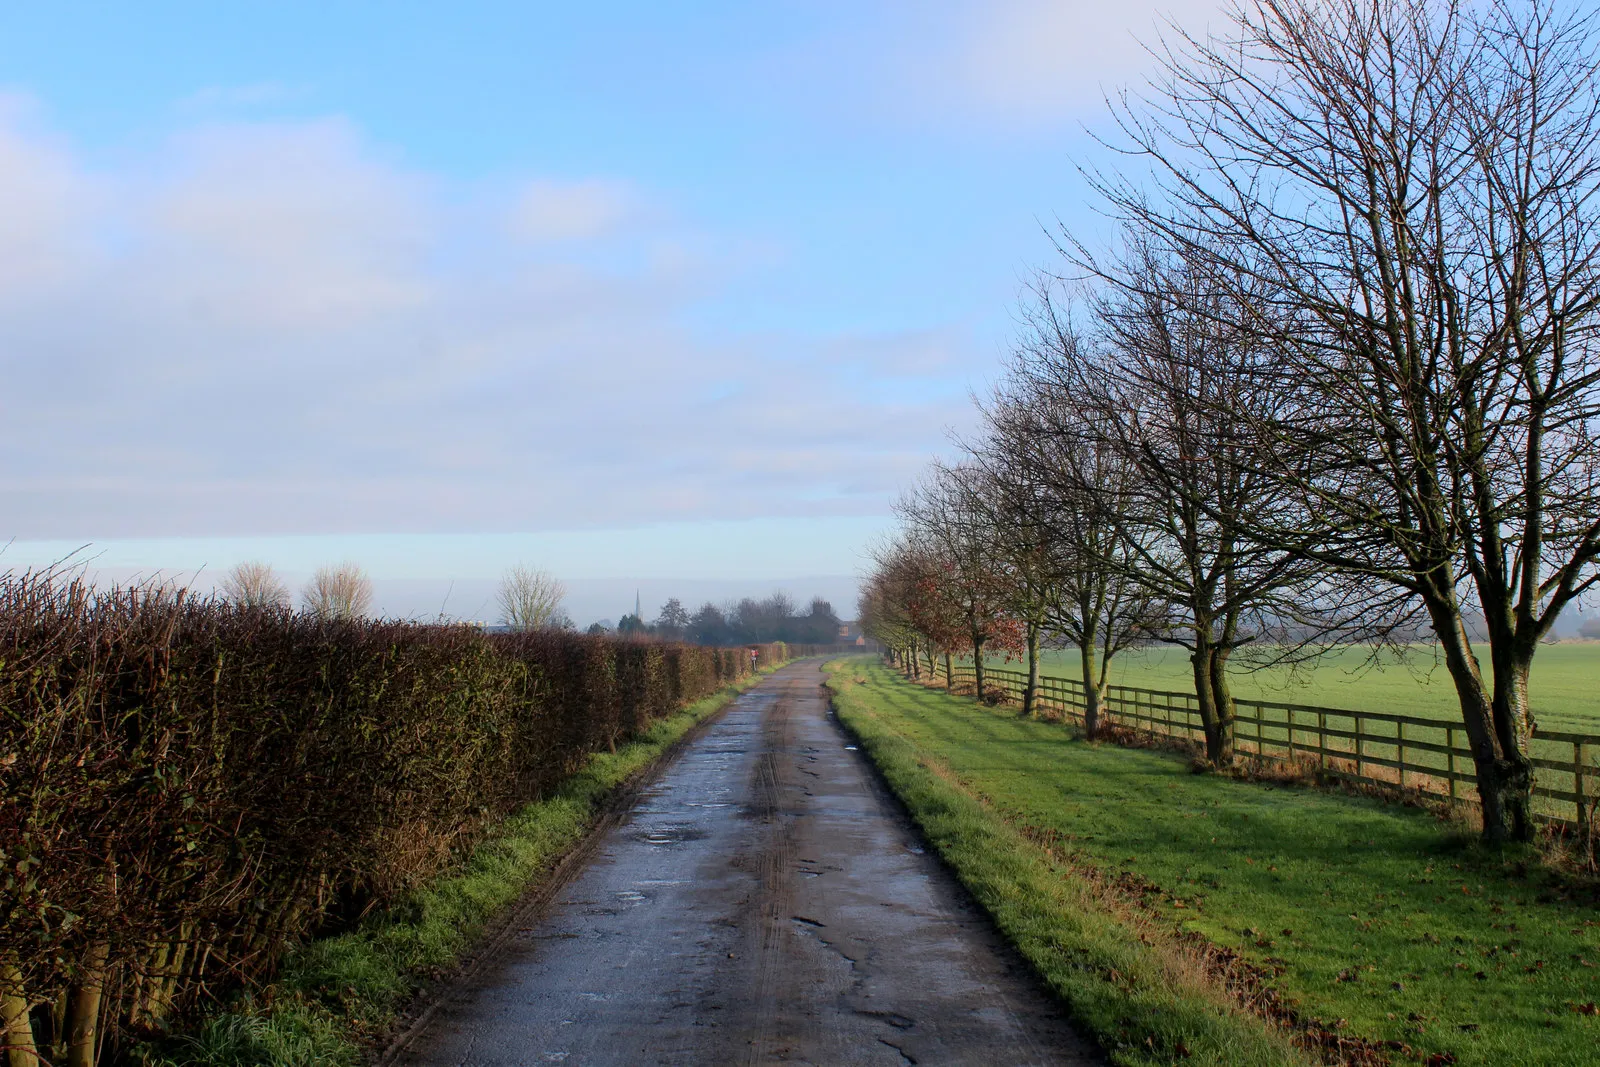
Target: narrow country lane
column 765, row 902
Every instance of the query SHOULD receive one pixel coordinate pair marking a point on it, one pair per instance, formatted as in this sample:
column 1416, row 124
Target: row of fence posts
column 1582, row 800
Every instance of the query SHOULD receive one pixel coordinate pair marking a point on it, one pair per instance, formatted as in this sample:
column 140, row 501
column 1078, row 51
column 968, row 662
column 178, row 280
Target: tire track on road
column 761, row 904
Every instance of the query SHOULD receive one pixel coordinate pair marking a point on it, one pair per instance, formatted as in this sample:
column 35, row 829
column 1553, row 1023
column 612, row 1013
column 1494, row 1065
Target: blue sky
column 440, row 287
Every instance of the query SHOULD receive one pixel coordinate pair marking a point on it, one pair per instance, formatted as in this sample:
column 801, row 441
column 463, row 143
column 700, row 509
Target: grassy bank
column 1143, row 893
column 339, row 995
column 1564, row 689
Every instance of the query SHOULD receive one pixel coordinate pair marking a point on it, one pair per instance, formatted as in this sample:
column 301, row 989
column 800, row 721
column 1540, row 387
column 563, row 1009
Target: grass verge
column 1197, row 919
column 339, row 995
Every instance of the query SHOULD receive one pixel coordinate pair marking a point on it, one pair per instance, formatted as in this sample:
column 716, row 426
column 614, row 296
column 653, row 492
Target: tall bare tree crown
column 338, row 592
column 254, row 584
column 529, row 598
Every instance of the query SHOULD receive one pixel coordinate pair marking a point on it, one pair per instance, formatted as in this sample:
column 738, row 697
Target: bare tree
column 530, row 599
column 1410, row 187
column 254, row 584
column 1001, row 494
column 912, row 606
column 339, row 592
column 1173, row 382
column 1069, row 492
column 885, row 609
column 950, row 532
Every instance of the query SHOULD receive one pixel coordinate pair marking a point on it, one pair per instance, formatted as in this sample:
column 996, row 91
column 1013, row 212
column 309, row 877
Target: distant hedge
column 188, row 788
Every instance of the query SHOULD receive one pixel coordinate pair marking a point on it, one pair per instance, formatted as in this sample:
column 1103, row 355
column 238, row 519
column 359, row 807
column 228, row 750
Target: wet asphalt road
column 764, row 902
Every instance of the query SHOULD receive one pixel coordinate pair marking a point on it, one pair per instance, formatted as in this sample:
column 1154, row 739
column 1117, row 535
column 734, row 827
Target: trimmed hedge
column 189, row 788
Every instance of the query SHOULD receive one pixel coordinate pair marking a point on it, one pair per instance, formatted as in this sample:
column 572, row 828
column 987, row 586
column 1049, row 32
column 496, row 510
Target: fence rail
column 1389, row 750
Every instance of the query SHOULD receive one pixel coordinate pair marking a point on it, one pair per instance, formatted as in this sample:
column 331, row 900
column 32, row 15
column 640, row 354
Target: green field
column 1565, row 686
column 1379, row 920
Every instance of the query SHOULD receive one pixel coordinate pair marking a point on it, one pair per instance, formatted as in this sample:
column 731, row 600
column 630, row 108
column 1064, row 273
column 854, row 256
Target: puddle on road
column 668, row 834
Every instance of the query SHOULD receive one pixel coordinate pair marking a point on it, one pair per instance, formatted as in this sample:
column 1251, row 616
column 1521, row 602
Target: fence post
column 1322, row 739
column 1288, row 716
column 1400, row 737
column 1583, row 806
column 1450, row 740
column 1359, row 733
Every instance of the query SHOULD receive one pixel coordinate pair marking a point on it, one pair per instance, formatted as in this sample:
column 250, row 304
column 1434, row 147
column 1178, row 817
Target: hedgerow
column 188, row 789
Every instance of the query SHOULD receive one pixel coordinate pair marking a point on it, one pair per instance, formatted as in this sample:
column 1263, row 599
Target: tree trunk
column 933, row 672
column 1030, row 695
column 1513, row 729
column 83, row 1010
column 1091, row 691
column 16, row 1029
column 1227, row 711
column 1499, row 791
column 977, row 664
column 1216, row 704
column 949, row 675
column 916, row 664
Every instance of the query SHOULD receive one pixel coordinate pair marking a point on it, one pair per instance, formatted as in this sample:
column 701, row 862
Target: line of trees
column 528, row 598
column 342, row 591
column 748, row 621
column 1335, row 377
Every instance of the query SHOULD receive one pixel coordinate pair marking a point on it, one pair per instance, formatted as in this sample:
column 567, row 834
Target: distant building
column 850, row 634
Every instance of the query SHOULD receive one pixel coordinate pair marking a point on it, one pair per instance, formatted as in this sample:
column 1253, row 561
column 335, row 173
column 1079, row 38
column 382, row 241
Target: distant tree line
column 1335, row 374
column 530, row 598
column 747, row 621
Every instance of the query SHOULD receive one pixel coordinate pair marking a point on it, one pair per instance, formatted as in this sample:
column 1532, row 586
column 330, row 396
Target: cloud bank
column 273, row 328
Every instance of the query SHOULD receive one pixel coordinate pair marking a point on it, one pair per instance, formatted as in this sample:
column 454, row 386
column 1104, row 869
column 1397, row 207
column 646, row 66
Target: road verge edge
column 1139, row 994
column 359, row 996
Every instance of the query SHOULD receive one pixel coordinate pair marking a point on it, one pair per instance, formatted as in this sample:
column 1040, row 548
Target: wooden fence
column 1390, row 750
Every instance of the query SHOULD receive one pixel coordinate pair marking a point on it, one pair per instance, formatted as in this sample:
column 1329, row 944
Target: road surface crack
column 905, row 1057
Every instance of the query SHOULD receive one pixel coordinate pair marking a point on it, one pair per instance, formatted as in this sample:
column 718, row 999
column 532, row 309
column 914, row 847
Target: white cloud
column 215, row 100
column 572, row 211
column 285, row 224
column 1037, row 59
column 268, row 328
column 997, row 66
column 44, row 204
